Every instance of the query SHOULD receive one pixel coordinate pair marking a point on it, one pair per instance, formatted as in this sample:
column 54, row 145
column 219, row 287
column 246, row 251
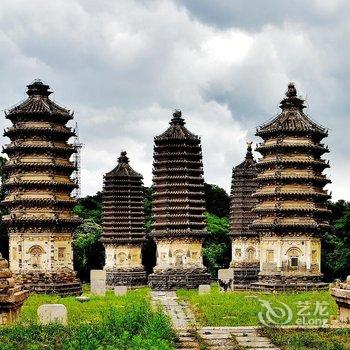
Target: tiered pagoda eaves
column 123, row 225
column 245, row 242
column 40, row 223
column 178, row 208
column 292, row 209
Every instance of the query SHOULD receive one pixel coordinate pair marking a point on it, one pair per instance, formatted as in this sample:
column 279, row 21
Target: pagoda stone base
column 341, row 294
column 172, row 279
column 124, row 277
column 243, row 277
column 275, row 282
column 63, row 282
column 12, row 295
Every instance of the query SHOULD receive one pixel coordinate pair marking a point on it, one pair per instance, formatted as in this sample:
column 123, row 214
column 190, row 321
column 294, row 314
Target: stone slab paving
column 215, row 338
column 229, row 337
column 181, row 317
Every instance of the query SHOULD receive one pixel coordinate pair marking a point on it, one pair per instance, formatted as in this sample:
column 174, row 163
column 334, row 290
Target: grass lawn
column 242, row 308
column 325, row 339
column 104, row 323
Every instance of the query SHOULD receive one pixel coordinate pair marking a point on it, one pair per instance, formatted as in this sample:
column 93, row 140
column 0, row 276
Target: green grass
column 83, row 312
column 104, row 323
column 242, row 308
column 300, row 339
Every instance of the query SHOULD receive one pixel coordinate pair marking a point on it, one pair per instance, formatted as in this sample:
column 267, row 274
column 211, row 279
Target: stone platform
column 289, row 283
column 176, row 279
column 122, row 277
column 63, row 283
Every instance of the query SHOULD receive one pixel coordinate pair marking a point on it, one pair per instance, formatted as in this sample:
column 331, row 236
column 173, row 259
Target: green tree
column 217, row 201
column 90, row 207
column 88, row 250
column 149, row 248
column 217, row 247
column 336, row 243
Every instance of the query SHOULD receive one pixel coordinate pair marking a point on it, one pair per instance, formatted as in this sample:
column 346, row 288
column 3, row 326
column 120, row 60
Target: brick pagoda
column 292, row 209
column 40, row 223
column 178, row 208
column 123, row 225
column 245, row 241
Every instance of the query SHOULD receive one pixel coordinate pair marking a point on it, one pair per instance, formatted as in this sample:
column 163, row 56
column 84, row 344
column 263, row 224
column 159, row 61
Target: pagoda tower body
column 292, row 206
column 245, row 242
column 178, row 208
column 123, row 225
column 40, row 223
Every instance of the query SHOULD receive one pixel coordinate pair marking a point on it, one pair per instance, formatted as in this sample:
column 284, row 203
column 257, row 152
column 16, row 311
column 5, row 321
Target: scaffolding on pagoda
column 40, row 222
column 123, row 225
column 178, row 209
column 245, row 242
column 292, row 209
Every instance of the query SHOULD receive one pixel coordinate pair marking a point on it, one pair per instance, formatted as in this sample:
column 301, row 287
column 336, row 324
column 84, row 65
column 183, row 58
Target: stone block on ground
column 82, row 298
column 120, row 290
column 225, row 279
column 204, row 289
column 52, row 313
column 98, row 282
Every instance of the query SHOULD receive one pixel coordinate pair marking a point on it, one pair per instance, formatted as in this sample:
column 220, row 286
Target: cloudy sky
column 124, row 66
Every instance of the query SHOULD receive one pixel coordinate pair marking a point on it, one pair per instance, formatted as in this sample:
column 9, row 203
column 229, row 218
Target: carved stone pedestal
column 172, row 279
column 11, row 295
column 341, row 294
column 62, row 282
column 124, row 277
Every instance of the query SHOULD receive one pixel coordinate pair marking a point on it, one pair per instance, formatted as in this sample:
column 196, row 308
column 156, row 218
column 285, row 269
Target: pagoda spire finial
column 292, row 91
column 123, row 158
column 292, row 100
column 177, row 118
column 37, row 87
column 249, row 154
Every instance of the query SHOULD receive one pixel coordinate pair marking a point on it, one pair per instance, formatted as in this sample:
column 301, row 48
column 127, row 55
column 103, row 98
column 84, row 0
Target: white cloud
column 124, row 65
